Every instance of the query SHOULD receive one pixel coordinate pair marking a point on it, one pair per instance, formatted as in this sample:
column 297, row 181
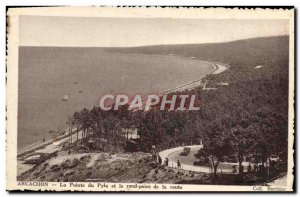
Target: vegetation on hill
column 247, row 116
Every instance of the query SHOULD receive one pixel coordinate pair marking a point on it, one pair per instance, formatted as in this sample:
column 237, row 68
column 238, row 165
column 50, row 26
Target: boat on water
column 66, row 97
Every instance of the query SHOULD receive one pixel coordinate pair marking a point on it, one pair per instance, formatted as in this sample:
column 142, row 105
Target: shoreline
column 36, row 146
column 217, row 68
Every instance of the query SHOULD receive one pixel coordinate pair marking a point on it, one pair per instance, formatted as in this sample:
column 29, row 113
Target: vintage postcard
column 151, row 99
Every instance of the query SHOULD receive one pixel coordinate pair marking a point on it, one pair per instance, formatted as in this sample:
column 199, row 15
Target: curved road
column 187, row 162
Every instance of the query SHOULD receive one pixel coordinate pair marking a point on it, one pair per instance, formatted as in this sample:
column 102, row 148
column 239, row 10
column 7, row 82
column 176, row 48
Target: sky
column 128, row 32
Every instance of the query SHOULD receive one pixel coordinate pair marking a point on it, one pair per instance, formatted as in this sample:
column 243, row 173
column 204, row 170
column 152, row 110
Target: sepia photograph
column 150, row 99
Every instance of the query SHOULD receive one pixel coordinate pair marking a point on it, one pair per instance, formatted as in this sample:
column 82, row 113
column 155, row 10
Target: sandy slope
column 137, row 168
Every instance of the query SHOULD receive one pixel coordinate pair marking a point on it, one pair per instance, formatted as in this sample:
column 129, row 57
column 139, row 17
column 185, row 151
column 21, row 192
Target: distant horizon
column 261, row 37
column 136, row 32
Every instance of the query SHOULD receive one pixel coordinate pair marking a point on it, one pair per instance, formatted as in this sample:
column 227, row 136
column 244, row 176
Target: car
column 198, row 163
column 183, row 154
column 202, row 161
column 186, row 151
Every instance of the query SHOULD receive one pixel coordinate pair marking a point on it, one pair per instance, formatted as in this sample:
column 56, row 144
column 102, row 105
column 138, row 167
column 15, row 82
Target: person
column 159, row 160
column 233, row 169
column 241, row 169
column 178, row 164
column 255, row 168
column 153, row 155
column 167, row 162
column 249, row 168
